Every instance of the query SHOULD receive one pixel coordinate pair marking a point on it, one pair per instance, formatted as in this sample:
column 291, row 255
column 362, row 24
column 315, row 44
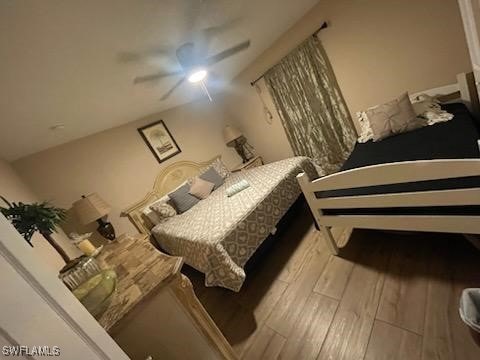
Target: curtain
column 311, row 107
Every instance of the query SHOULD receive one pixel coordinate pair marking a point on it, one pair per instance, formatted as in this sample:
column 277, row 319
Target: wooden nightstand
column 256, row 161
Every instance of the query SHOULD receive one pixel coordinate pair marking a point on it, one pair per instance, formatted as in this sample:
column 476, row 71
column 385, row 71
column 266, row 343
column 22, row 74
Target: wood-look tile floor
column 387, row 296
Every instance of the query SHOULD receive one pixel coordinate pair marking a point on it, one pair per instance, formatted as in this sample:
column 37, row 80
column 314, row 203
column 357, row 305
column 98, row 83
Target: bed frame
column 165, row 182
column 397, row 173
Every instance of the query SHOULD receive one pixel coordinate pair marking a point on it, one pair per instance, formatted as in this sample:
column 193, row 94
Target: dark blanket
column 454, row 139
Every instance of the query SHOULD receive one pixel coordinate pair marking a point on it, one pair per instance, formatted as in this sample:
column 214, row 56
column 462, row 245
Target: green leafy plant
column 30, row 218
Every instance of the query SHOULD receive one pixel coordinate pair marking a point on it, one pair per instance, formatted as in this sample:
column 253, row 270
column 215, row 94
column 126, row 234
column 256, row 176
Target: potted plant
column 30, row 218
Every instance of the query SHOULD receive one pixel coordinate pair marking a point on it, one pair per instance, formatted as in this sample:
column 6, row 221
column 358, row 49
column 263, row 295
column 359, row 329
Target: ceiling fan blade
column 227, row 53
column 203, row 37
column 164, row 50
column 127, row 56
column 151, row 77
column 212, row 31
column 130, row 56
column 191, row 14
column 169, row 92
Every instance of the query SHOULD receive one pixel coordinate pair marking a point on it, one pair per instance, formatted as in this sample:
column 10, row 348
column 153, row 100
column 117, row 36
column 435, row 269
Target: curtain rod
column 323, row 26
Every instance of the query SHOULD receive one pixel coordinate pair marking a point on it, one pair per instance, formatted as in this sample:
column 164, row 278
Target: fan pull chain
column 266, row 110
column 204, row 87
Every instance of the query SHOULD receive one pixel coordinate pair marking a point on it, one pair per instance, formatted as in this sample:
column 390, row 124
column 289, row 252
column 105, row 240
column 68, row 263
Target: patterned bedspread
column 219, row 234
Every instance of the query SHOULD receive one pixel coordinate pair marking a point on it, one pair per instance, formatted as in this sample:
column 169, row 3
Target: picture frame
column 159, row 140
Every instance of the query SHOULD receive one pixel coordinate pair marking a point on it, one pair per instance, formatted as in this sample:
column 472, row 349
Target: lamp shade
column 230, row 134
column 91, row 208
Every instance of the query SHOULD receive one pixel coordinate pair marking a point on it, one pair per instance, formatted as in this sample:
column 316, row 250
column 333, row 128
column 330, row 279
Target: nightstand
column 256, row 161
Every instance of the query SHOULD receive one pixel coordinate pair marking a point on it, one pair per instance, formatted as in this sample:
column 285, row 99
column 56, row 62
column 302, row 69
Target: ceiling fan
column 194, row 66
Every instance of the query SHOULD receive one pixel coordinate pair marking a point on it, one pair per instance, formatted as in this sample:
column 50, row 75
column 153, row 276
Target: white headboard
column 167, row 180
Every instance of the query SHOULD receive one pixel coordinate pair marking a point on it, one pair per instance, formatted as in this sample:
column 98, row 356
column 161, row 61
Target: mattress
column 454, row 139
column 219, row 234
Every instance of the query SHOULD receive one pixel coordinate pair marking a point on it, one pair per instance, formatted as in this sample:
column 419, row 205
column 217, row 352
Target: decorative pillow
column 394, row 117
column 428, row 108
column 201, row 188
column 435, row 116
column 182, row 200
column 424, row 102
column 150, row 214
column 163, row 211
column 211, row 175
column 237, row 187
column 366, row 132
column 220, row 168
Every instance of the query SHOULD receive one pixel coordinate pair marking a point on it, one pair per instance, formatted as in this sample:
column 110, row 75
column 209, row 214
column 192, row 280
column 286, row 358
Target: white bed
column 380, row 210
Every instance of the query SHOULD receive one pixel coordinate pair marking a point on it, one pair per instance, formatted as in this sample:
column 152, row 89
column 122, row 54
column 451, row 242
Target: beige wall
column 14, row 189
column 117, row 163
column 377, row 48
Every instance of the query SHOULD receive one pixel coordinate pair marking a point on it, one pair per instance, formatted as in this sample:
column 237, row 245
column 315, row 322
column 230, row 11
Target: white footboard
column 395, row 173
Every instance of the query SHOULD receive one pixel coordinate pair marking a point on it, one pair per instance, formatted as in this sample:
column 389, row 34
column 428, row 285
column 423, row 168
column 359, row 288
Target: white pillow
column 366, row 132
column 428, row 107
column 152, row 215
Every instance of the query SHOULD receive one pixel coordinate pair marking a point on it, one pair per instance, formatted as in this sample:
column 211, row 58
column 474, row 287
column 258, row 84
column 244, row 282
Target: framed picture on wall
column 159, row 140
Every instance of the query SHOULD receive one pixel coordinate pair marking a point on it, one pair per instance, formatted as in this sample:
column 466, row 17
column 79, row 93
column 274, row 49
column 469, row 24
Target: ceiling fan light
column 197, row 75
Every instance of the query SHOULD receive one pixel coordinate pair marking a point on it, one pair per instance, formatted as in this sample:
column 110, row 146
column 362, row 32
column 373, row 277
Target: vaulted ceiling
column 72, row 62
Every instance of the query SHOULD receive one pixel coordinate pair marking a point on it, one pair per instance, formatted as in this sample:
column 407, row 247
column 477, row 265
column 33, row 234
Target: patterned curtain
column 311, row 106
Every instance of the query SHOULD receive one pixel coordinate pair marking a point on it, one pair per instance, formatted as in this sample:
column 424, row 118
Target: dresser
column 155, row 313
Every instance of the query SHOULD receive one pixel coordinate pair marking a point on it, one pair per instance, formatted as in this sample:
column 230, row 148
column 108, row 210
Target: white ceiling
column 63, row 61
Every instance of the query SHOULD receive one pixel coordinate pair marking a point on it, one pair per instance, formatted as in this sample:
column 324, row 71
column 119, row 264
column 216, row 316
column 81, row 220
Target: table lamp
column 92, row 208
column 234, row 138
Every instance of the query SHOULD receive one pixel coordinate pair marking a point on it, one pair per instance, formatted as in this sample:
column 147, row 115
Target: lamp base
column 240, row 149
column 106, row 229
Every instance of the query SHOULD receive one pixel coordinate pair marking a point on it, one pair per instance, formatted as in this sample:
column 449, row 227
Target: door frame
column 469, row 25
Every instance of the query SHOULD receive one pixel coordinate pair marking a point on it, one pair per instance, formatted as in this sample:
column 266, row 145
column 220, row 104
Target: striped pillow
column 182, row 200
column 211, row 175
